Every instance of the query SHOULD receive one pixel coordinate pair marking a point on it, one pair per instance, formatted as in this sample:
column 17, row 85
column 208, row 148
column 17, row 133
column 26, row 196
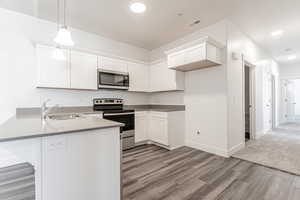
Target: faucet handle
column 45, row 102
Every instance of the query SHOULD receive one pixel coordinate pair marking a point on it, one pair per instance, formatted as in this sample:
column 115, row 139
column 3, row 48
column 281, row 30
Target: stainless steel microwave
column 108, row 79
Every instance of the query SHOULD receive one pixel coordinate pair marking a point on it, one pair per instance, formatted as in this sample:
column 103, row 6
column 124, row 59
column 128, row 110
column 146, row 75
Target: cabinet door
column 195, row 54
column 54, row 168
column 112, row 64
column 176, row 59
column 162, row 78
column 82, row 165
column 138, row 77
column 83, row 71
column 141, row 126
column 158, row 131
column 52, row 73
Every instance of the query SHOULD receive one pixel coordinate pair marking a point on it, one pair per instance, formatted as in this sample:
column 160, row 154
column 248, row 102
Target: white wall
column 18, row 69
column 167, row 98
column 204, row 96
column 241, row 44
column 290, row 70
column 214, row 96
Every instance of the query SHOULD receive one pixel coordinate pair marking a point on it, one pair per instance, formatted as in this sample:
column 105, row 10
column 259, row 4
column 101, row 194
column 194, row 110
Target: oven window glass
column 113, row 79
column 128, row 120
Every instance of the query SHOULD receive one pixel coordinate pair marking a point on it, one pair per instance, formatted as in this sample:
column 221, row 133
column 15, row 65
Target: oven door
column 127, row 132
column 113, row 80
column 125, row 118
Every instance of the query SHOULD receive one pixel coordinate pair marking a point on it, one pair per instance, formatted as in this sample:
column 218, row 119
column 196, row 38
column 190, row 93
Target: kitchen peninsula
column 74, row 156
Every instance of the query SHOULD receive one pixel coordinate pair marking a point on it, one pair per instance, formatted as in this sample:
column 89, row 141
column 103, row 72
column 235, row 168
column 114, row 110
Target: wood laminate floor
column 153, row 173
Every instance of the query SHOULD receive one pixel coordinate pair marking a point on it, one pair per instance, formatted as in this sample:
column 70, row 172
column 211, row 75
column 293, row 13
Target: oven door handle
column 118, row 114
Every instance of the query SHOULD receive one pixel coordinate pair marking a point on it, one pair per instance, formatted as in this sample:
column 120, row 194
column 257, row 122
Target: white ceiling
column 113, row 19
column 161, row 23
column 258, row 18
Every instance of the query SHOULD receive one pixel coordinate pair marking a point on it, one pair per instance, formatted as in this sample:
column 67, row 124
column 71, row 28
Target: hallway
column 279, row 149
column 290, row 126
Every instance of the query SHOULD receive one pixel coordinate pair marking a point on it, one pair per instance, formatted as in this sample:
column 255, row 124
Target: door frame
column 252, row 79
column 274, row 102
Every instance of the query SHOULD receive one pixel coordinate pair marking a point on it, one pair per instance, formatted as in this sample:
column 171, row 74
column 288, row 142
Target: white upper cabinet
column 78, row 71
column 112, row 64
column 83, row 70
column 164, row 79
column 138, row 77
column 202, row 54
column 52, row 73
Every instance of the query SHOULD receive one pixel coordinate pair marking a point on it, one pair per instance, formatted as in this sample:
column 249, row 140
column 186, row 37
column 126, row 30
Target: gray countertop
column 30, row 127
column 28, row 124
column 158, row 108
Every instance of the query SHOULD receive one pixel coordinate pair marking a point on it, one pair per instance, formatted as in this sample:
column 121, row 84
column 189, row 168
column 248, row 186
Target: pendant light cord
column 57, row 14
column 65, row 4
column 64, row 23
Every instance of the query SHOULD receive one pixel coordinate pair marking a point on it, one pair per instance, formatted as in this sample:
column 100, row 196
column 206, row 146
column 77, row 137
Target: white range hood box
column 202, row 53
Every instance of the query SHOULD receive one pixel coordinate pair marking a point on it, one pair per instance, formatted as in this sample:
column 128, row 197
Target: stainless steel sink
column 64, row 116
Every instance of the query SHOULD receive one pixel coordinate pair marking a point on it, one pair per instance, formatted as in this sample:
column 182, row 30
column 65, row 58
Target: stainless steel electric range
column 113, row 110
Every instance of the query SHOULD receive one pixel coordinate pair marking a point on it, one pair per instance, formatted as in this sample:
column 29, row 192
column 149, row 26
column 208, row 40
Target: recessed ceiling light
column 292, row 57
column 138, row 7
column 277, row 33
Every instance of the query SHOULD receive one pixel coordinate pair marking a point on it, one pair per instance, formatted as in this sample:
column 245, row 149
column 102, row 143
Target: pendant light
column 63, row 36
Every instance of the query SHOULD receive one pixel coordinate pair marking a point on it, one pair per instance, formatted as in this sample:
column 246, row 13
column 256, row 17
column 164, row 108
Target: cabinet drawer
column 159, row 114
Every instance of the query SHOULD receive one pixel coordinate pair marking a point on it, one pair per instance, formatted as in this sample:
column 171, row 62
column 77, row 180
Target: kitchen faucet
column 45, row 110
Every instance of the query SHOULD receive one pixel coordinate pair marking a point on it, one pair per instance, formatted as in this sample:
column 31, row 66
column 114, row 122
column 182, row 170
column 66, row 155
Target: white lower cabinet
column 83, row 165
column 158, row 129
column 163, row 128
column 141, row 127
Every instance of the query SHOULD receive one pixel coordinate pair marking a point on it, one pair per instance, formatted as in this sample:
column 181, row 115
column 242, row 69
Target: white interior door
column 290, row 101
column 268, row 103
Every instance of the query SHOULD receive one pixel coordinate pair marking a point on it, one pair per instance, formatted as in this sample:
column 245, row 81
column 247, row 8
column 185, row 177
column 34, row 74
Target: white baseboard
column 235, row 149
column 206, row 148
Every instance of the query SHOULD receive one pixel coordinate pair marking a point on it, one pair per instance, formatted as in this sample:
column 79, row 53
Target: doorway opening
column 249, row 101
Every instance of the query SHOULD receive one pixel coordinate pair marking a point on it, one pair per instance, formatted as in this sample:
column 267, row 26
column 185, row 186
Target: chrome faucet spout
column 45, row 109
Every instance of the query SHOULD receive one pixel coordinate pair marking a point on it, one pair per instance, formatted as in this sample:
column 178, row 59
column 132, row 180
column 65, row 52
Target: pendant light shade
column 64, row 37
column 58, row 54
